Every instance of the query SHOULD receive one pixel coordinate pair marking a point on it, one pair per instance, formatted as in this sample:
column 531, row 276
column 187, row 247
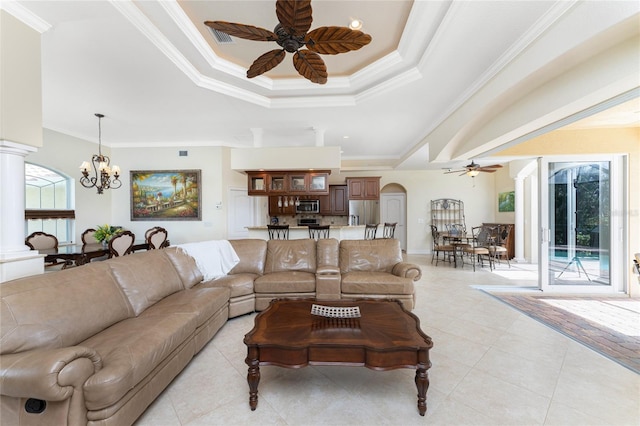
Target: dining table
column 458, row 242
column 80, row 254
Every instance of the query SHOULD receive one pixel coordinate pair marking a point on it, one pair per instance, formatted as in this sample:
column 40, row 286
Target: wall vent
column 221, row 38
column 183, row 153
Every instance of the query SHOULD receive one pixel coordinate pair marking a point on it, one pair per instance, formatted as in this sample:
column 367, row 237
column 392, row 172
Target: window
column 48, row 204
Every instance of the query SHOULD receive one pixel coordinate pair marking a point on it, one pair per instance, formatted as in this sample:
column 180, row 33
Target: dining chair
column 149, row 231
column 448, row 251
column 88, row 237
column 42, row 240
column 479, row 247
column 158, row 238
column 389, row 230
column 498, row 242
column 121, row 244
column 278, row 232
column 370, row 231
column 319, row 231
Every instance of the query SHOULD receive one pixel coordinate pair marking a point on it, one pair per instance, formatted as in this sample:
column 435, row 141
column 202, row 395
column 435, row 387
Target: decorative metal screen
column 448, row 215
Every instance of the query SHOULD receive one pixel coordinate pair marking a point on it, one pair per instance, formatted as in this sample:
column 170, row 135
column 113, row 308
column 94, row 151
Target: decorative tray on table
column 335, row 311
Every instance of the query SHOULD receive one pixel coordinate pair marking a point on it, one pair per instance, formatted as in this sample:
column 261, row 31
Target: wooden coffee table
column 385, row 337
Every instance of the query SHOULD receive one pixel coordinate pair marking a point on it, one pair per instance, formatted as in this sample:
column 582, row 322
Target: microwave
column 308, row 206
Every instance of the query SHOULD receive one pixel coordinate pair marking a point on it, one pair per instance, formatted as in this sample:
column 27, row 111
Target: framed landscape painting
column 507, row 201
column 165, row 195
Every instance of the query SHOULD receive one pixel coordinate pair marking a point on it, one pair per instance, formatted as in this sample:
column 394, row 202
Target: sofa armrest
column 50, row 374
column 407, row 270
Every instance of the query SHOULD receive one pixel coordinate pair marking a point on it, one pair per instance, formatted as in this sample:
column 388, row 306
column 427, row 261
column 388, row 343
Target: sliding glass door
column 581, row 239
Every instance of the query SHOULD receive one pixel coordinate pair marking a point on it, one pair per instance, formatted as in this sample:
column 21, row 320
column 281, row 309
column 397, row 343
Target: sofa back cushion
column 185, row 266
column 369, row 255
column 290, row 255
column 146, row 278
column 252, row 254
column 59, row 309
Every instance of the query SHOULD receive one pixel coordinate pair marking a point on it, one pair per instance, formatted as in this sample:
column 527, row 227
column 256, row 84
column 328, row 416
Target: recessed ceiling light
column 345, row 137
column 355, row 24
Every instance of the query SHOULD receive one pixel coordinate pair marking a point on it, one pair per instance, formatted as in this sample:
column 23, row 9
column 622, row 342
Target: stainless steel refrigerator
column 362, row 212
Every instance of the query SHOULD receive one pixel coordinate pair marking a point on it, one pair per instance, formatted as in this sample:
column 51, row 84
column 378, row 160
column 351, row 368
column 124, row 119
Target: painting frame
column 165, row 195
column 507, row 201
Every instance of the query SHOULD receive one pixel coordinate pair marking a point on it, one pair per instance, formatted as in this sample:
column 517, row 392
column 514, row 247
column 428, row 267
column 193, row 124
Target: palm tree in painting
column 174, row 182
column 184, row 185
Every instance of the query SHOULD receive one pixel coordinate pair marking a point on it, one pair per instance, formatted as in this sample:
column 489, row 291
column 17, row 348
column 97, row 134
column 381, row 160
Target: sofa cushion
column 201, row 301
column 130, row 350
column 290, row 255
column 375, row 283
column 59, row 309
column 185, row 266
column 145, row 278
column 252, row 254
column 369, row 255
column 286, row 282
column 238, row 284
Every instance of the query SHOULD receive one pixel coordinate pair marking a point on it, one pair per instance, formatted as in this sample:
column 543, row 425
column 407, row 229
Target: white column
column 319, row 131
column 519, row 222
column 16, row 259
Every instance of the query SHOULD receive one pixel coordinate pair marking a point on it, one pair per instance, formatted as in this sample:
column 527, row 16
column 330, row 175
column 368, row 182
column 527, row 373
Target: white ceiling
column 159, row 77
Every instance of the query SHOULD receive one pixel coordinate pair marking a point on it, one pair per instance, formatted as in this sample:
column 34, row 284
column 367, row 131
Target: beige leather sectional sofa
column 98, row 343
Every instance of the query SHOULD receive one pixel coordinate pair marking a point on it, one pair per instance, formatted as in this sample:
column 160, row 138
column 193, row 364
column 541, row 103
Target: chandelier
column 102, row 172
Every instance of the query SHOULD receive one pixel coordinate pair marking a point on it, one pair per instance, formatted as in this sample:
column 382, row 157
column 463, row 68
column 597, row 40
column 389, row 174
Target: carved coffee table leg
column 253, row 376
column 422, row 383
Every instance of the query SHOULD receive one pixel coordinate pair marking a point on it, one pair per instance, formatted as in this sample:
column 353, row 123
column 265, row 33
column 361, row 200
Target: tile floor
column 491, row 366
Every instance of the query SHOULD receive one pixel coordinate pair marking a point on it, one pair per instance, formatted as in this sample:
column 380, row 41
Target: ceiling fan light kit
column 292, row 34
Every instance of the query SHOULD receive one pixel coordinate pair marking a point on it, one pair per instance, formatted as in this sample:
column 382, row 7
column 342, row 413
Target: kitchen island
column 339, row 232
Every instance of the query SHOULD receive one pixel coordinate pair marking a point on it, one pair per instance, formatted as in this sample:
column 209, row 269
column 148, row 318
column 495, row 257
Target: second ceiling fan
column 474, row 169
column 292, row 34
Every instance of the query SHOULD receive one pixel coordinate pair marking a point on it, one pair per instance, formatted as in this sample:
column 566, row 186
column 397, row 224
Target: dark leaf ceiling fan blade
column 266, row 62
column 294, row 16
column 482, row 169
column 334, row 40
column 248, row 32
column 311, row 66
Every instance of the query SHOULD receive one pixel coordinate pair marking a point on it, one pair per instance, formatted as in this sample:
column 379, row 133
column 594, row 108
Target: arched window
column 48, row 202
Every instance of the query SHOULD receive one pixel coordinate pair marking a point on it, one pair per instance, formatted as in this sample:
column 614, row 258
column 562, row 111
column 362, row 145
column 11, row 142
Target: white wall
column 65, row 153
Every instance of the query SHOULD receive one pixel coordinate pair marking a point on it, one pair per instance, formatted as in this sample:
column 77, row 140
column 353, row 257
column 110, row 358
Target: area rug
column 608, row 325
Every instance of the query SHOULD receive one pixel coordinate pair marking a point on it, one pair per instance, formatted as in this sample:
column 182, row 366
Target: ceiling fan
column 474, row 169
column 291, row 33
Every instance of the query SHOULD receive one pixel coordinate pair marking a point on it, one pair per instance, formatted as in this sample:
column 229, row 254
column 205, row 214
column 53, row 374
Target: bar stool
column 278, row 232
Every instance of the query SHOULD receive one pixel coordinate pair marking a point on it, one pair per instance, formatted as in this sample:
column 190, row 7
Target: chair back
column 317, row 232
column 149, row 231
column 370, row 231
column 481, row 236
column 389, row 230
column 41, row 240
column 88, row 237
column 121, row 244
column 278, row 232
column 158, row 238
column 456, row 229
column 434, row 235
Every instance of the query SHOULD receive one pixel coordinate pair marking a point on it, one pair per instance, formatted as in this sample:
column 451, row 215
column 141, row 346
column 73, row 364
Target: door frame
column 618, row 275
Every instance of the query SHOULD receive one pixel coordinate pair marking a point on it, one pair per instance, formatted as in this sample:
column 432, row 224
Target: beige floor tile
column 492, row 366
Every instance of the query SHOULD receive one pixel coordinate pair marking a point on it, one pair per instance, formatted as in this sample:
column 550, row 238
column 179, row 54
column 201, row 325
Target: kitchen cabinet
column 296, row 183
column 364, row 188
column 336, row 203
column 275, row 210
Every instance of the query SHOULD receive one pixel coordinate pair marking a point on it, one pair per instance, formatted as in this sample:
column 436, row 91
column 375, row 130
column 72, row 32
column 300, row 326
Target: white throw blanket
column 213, row 258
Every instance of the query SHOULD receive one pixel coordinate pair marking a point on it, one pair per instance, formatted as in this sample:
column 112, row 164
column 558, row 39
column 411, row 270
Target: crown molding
column 24, row 15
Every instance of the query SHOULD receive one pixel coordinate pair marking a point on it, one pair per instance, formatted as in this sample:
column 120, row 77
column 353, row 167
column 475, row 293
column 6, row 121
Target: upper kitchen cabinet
column 336, row 203
column 298, row 183
column 319, row 183
column 257, row 183
column 364, row 188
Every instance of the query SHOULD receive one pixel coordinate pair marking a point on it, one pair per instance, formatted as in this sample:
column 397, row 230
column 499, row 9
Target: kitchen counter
column 339, row 232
